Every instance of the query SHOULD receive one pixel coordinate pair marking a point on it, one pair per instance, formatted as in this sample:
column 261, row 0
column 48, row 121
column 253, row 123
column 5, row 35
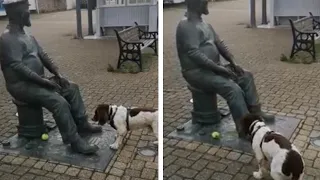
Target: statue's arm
column 12, row 57
column 46, row 60
column 223, row 48
column 188, row 37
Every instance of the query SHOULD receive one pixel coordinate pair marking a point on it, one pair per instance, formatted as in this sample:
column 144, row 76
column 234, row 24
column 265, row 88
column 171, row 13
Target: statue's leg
column 60, row 109
column 78, row 110
column 246, row 82
column 227, row 88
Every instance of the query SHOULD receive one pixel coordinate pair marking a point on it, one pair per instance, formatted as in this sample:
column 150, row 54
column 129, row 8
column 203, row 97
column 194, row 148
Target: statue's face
column 204, row 7
column 199, row 6
column 25, row 15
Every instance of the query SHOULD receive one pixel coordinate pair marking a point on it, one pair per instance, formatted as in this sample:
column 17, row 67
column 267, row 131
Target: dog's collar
column 258, row 128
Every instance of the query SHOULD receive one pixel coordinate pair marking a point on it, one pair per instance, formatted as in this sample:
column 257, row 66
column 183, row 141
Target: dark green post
column 253, row 13
column 79, row 25
column 90, row 25
column 264, row 12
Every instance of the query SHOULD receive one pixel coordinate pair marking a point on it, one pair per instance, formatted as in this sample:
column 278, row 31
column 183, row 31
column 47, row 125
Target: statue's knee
column 234, row 93
column 59, row 104
column 73, row 87
column 248, row 75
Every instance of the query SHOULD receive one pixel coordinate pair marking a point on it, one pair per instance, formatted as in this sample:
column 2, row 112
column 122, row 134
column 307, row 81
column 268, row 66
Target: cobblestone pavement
column 86, row 63
column 285, row 89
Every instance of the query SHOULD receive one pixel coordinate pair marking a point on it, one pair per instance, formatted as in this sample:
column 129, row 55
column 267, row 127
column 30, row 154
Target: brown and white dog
column 272, row 148
column 123, row 120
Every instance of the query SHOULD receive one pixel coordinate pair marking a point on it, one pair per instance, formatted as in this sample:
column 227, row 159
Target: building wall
column 51, row 5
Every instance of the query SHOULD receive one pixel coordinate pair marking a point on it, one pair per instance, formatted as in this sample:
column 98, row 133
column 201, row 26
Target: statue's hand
column 52, row 85
column 64, row 82
column 228, row 73
column 238, row 70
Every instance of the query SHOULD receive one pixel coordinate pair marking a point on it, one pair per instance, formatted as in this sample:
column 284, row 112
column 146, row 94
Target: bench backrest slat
column 130, row 34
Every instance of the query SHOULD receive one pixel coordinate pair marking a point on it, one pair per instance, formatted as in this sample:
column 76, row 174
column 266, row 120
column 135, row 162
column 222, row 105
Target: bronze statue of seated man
column 23, row 61
column 199, row 48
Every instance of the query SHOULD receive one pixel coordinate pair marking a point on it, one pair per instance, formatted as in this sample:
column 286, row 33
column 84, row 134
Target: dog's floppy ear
column 101, row 114
column 247, row 120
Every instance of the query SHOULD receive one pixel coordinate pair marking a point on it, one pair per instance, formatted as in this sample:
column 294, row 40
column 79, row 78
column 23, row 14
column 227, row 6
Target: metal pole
column 90, row 30
column 79, row 25
column 253, row 13
column 264, row 12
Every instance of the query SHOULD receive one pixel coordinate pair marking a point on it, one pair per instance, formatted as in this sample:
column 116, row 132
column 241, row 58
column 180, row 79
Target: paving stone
column 151, row 165
column 98, row 176
column 18, row 161
column 233, row 155
column 137, row 165
column 317, row 163
column 111, row 177
column 204, row 174
column 170, row 170
column 234, row 168
column 200, row 164
column 8, row 159
column 85, row 173
column 169, row 159
column 39, row 164
column 187, row 173
column 52, row 175
column 310, row 154
column 120, row 165
column 29, row 162
column 219, row 176
column 245, row 158
column 27, row 177
column 38, row 172
column 48, row 166
column 132, row 173
column 7, row 168
column 183, row 162
column 181, row 153
column 9, row 177
column 216, row 166
column 72, row 171
column 175, row 177
column 148, row 173
column 203, row 148
column 116, row 171
column 241, row 176
column 21, row 171
column 213, row 151
column 60, row 169
column 222, row 153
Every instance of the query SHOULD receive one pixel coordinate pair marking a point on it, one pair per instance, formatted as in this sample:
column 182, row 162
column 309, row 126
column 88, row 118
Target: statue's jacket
column 199, row 46
column 22, row 59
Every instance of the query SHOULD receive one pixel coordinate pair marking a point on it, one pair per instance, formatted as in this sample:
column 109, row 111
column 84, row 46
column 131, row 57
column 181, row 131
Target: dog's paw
column 257, row 175
column 114, row 146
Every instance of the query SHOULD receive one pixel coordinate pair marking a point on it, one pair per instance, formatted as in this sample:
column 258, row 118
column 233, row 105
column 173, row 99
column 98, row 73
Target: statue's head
column 198, row 6
column 18, row 12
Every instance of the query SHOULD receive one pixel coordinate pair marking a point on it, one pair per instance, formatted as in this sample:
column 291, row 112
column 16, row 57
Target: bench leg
column 293, row 50
column 205, row 108
column 154, row 46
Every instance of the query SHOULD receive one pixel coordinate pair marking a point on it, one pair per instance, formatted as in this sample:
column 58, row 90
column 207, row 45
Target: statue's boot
column 257, row 111
column 85, row 127
column 81, row 146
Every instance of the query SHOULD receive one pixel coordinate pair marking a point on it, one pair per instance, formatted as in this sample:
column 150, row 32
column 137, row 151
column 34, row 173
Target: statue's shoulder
column 5, row 36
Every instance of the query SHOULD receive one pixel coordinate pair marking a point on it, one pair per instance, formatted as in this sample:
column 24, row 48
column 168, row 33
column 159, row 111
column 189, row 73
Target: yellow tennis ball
column 215, row 135
column 45, row 137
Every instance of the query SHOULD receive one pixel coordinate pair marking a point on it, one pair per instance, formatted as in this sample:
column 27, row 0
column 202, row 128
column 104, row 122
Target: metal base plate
column 55, row 150
column 228, row 134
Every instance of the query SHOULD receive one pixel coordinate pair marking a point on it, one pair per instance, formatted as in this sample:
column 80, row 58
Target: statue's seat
column 31, row 124
column 205, row 106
